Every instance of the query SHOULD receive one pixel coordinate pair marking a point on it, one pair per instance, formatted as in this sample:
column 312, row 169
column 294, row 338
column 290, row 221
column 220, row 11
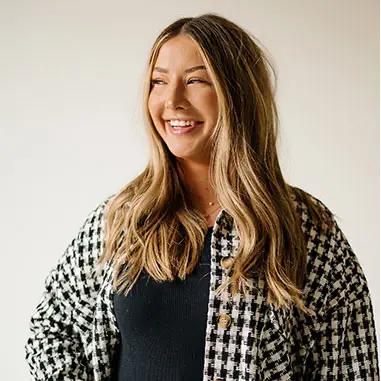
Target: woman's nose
column 175, row 97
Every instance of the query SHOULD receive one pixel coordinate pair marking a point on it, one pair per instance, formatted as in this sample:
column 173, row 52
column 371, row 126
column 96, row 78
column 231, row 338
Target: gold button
column 226, row 262
column 224, row 320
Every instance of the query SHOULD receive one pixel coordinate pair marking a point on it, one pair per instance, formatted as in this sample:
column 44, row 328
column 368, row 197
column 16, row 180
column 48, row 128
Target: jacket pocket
column 287, row 339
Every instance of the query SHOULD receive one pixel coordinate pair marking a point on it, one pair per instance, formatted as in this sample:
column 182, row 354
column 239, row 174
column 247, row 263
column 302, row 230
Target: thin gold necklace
column 211, row 203
column 212, row 211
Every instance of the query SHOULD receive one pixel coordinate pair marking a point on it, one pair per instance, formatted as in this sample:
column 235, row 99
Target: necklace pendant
column 210, row 203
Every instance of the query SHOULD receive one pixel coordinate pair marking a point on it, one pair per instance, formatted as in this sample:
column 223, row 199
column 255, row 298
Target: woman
column 207, row 266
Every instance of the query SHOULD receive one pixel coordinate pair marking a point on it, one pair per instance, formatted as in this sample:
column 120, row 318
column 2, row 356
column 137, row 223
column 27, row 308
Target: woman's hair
column 150, row 223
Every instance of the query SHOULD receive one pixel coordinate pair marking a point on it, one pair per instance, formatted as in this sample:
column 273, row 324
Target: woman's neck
column 197, row 183
column 201, row 195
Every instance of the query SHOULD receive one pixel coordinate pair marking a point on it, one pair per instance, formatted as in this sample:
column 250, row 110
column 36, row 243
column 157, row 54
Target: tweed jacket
column 74, row 335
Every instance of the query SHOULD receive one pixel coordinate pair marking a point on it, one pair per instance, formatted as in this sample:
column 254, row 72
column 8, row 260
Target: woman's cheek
column 154, row 105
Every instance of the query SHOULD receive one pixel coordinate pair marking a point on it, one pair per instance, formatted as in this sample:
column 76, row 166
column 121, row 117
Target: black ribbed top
column 163, row 325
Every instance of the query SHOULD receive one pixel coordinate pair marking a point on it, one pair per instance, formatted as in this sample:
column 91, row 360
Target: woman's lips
column 182, row 130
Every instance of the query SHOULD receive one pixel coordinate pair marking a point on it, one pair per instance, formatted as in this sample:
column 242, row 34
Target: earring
column 169, row 103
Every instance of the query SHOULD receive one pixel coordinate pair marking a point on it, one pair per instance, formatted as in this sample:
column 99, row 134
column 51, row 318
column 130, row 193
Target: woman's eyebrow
column 190, row 70
column 195, row 68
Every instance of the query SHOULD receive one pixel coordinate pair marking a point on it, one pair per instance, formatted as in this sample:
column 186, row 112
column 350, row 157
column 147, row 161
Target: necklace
column 209, row 213
column 212, row 211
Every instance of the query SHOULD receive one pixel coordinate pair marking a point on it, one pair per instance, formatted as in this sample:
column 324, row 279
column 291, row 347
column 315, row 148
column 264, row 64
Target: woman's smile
column 183, row 128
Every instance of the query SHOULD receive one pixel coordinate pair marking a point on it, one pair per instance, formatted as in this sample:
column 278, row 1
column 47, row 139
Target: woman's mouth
column 181, row 128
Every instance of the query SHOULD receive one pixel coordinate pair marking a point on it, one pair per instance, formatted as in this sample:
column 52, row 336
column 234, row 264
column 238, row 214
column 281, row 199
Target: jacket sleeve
column 346, row 344
column 58, row 346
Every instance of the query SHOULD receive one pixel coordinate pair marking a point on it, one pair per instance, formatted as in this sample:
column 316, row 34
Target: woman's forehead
column 179, row 52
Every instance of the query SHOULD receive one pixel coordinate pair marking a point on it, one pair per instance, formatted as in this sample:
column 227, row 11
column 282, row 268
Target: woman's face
column 183, row 101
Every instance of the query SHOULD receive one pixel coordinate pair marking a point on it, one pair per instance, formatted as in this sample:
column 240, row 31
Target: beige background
column 70, row 130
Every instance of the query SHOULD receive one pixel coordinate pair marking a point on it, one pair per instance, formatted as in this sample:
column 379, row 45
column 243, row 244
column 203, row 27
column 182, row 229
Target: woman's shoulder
column 96, row 217
column 311, row 210
column 335, row 277
column 82, row 254
column 92, row 228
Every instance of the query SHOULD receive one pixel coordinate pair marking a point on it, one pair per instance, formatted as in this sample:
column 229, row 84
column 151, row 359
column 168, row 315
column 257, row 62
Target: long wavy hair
column 150, row 223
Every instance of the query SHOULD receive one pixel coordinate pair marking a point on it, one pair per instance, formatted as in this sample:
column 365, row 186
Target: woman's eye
column 157, row 81
column 195, row 80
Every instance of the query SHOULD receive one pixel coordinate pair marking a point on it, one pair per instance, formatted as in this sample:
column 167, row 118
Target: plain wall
column 71, row 132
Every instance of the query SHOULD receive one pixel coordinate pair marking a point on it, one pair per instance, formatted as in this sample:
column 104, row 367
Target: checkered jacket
column 74, row 335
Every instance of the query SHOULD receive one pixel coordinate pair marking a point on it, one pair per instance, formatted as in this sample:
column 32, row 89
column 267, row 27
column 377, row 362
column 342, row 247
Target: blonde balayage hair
column 150, row 223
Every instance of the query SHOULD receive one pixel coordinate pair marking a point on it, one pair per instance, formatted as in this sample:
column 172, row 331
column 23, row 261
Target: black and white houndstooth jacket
column 74, row 334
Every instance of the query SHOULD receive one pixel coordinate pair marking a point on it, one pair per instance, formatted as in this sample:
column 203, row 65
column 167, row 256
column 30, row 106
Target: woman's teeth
column 182, row 123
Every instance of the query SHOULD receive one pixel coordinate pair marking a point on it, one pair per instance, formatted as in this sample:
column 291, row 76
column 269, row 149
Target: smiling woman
column 210, row 266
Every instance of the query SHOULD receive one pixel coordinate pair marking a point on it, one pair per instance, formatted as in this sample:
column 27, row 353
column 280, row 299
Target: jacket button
column 224, row 320
column 226, row 262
